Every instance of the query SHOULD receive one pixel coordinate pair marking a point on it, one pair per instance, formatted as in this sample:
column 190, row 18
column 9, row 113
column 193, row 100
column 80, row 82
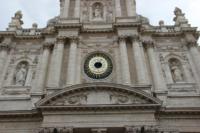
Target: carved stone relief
column 99, row 97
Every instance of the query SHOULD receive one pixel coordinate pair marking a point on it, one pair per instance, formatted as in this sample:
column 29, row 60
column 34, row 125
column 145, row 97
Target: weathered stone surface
column 152, row 84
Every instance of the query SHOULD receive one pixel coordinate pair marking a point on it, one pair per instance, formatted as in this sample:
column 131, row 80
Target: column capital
column 61, row 39
column 135, row 38
column 131, row 129
column 191, row 44
column 148, row 43
column 48, row 45
column 4, row 46
column 74, row 39
column 99, row 130
column 122, row 38
column 66, row 130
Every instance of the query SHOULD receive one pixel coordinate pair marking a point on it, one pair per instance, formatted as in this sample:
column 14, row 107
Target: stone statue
column 179, row 18
column 16, row 22
column 176, row 72
column 98, row 13
column 20, row 75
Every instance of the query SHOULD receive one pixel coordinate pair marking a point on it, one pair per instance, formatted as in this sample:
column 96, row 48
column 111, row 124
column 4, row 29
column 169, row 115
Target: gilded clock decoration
column 98, row 66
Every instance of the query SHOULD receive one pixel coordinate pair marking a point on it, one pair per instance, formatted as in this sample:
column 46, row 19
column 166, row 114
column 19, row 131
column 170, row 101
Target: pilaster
column 130, row 4
column 118, row 8
column 141, row 69
column 124, row 61
column 65, row 12
column 158, row 79
column 192, row 46
column 58, row 60
column 77, row 9
column 42, row 72
column 71, row 70
column 4, row 48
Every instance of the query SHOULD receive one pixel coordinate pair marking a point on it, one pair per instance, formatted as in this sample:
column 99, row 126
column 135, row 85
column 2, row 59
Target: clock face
column 98, row 66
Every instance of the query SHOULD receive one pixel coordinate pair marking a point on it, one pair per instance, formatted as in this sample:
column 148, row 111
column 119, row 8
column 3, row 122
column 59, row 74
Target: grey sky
column 40, row 11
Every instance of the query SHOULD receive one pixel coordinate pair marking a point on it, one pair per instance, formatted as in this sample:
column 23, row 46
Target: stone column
column 130, row 8
column 141, row 70
column 126, row 79
column 71, row 70
column 58, row 60
column 118, row 8
column 187, row 73
column 158, row 79
column 77, row 9
column 118, row 63
column 195, row 55
column 65, row 12
column 42, row 72
column 3, row 56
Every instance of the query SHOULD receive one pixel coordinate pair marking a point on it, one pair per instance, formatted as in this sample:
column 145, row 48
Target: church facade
column 99, row 67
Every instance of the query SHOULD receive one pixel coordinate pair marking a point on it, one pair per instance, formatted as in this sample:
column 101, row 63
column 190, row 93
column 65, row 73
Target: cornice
column 26, row 114
column 68, row 25
column 179, row 111
column 101, row 107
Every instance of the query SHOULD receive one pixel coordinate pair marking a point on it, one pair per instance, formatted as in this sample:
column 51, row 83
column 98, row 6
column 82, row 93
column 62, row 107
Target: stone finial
column 180, row 19
column 34, row 25
column 162, row 26
column 161, row 23
column 16, row 22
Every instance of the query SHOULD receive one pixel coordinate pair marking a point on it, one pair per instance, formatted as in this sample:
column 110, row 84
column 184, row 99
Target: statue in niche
column 98, row 11
column 177, row 74
column 21, row 74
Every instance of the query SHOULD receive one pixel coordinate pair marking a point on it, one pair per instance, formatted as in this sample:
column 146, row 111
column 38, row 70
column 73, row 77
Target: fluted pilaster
column 118, row 8
column 58, row 61
column 3, row 56
column 195, row 55
column 130, row 4
column 71, row 70
column 158, row 79
column 141, row 69
column 124, row 61
column 77, row 9
column 65, row 12
column 42, row 73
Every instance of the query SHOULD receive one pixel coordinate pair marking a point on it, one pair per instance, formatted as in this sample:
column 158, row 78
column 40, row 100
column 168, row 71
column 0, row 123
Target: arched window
column 21, row 73
column 176, row 70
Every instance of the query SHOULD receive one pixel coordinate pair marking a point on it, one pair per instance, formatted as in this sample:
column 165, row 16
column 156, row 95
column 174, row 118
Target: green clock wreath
column 98, row 66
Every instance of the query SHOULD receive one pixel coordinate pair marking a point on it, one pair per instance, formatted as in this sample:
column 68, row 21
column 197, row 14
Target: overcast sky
column 40, row 11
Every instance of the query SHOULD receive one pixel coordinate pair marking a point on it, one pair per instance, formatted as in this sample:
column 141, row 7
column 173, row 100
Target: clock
column 98, row 66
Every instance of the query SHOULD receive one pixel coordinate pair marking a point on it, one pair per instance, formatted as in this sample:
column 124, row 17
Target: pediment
column 99, row 95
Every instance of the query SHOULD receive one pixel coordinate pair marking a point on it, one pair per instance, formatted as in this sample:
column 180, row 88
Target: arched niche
column 176, row 70
column 21, row 72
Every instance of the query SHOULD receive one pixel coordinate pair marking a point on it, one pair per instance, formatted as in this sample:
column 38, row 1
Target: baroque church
column 99, row 67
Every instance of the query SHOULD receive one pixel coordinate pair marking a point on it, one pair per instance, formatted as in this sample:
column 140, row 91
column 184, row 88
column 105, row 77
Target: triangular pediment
column 99, row 95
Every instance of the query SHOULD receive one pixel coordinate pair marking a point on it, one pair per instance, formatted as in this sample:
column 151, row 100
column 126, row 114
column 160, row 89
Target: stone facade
column 99, row 67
